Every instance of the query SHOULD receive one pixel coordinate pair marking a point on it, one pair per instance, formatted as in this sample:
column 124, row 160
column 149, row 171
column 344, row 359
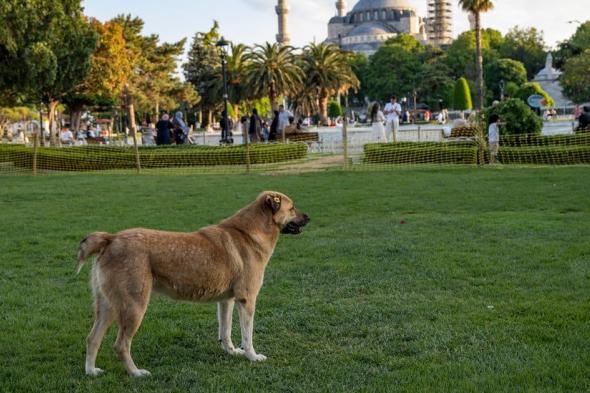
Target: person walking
column 180, row 129
column 284, row 116
column 392, row 112
column 274, row 127
column 378, row 120
column 255, row 128
column 494, row 138
column 584, row 119
column 164, row 127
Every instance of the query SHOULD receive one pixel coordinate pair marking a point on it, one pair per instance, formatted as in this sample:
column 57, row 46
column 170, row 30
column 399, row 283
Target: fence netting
column 305, row 153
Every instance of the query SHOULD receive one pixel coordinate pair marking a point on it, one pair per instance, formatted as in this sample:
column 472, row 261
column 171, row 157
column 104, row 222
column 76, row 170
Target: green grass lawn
column 485, row 288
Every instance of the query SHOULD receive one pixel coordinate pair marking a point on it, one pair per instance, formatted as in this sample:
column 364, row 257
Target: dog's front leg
column 225, row 310
column 246, row 309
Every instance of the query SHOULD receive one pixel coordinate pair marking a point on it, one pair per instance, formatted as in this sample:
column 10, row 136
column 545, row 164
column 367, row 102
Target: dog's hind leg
column 104, row 318
column 225, row 310
column 129, row 317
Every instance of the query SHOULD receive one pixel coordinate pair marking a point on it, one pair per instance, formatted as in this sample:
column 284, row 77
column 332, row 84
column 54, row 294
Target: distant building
column 440, row 22
column 372, row 22
column 548, row 78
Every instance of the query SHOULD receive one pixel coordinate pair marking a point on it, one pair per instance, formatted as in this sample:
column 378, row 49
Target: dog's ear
column 273, row 202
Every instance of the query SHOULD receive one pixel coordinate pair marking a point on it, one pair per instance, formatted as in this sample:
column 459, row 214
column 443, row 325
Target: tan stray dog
column 221, row 263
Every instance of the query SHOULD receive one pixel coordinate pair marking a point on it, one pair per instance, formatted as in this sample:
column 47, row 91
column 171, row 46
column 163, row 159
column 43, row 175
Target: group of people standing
column 171, row 130
column 386, row 122
column 258, row 130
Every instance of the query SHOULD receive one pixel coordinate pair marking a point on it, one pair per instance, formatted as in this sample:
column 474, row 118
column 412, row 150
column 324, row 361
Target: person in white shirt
column 284, row 116
column 377, row 120
column 66, row 137
column 494, row 138
column 392, row 112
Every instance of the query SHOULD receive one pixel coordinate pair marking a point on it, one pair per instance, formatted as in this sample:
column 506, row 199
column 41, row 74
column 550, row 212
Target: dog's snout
column 306, row 218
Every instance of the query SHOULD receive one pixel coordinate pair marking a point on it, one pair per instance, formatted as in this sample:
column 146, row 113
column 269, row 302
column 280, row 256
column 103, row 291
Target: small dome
column 367, row 5
column 337, row 19
column 371, row 29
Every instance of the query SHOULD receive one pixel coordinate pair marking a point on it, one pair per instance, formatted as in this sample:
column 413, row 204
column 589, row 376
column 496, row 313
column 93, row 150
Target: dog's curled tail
column 93, row 244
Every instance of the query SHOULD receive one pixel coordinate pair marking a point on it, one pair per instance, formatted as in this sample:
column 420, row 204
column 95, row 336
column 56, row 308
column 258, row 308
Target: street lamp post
column 222, row 44
column 502, row 86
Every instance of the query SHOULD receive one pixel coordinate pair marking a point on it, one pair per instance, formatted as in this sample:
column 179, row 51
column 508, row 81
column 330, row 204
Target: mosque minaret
column 282, row 10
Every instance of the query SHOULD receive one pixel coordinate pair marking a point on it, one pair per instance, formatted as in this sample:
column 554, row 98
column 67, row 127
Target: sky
column 255, row 21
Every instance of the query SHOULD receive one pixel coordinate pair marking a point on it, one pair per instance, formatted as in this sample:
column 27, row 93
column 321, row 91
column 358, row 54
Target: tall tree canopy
column 51, row 41
column 477, row 7
column 526, row 46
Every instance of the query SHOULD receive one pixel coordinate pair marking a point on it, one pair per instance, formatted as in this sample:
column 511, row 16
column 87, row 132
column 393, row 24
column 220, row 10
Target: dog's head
column 284, row 213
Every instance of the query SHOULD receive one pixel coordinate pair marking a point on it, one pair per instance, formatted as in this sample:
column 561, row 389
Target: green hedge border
column 96, row 158
column 518, row 149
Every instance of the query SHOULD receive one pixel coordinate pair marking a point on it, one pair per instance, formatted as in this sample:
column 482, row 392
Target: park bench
column 304, row 137
column 464, row 132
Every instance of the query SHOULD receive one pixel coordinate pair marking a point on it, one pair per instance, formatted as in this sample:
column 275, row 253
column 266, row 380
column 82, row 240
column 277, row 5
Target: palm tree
column 328, row 72
column 476, row 7
column 272, row 71
column 236, row 77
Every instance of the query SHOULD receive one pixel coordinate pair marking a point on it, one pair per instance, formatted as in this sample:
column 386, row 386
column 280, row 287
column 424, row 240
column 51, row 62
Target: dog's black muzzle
column 295, row 227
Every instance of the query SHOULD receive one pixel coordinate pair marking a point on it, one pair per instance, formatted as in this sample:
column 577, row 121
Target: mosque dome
column 371, row 29
column 367, row 5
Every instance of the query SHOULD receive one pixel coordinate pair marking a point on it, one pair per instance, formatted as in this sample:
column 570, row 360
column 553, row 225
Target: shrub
column 103, row 158
column 462, row 97
column 422, row 153
column 516, row 116
column 531, row 88
column 554, row 155
column 334, row 109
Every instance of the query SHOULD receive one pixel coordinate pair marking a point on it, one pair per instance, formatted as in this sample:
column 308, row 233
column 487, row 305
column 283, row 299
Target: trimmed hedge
column 531, row 140
column 422, row 153
column 89, row 158
column 558, row 150
column 555, row 155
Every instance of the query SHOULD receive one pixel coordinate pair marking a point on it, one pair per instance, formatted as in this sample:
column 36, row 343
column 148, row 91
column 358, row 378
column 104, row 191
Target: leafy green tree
column 153, row 83
column 51, row 42
column 531, row 88
column 272, row 71
column 359, row 64
column 460, row 54
column 574, row 46
column 516, row 117
column 334, row 109
column 527, row 46
column 576, row 78
column 395, row 68
column 110, row 70
column 202, row 69
column 435, row 86
column 462, row 96
column 327, row 72
column 476, row 7
column 506, row 70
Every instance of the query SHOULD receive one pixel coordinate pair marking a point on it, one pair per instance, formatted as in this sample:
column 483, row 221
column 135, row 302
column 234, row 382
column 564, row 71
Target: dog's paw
column 94, row 372
column 255, row 357
column 140, row 374
column 235, row 351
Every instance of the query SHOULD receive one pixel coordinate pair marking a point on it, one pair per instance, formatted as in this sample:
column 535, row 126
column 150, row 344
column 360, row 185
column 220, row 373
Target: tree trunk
column 324, row 107
column 272, row 97
column 237, row 112
column 209, row 120
column 53, row 131
column 479, row 62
